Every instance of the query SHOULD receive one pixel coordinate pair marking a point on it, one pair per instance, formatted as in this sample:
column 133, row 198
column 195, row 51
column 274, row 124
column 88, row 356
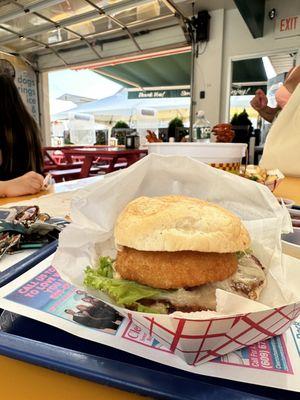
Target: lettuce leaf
column 241, row 254
column 105, row 267
column 125, row 293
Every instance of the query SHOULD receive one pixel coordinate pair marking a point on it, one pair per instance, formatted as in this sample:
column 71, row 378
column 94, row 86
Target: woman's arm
column 30, row 183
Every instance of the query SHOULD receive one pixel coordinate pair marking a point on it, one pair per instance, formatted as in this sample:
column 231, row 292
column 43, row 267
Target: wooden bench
column 61, row 175
column 48, row 168
column 104, row 167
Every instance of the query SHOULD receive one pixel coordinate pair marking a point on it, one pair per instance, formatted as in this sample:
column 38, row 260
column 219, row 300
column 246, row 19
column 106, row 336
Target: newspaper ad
column 41, row 294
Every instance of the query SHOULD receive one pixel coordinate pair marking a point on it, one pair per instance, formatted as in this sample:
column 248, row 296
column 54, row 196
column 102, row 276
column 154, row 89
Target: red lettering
column 27, row 287
column 295, row 22
column 23, row 290
column 43, row 285
column 254, row 362
column 288, row 24
column 32, row 293
column 53, row 287
column 66, row 286
column 262, row 345
column 41, row 277
column 56, row 294
column 133, row 334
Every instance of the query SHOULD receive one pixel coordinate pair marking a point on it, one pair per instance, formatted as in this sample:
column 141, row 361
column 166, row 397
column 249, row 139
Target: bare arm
column 268, row 113
column 293, row 79
column 260, row 104
column 30, row 183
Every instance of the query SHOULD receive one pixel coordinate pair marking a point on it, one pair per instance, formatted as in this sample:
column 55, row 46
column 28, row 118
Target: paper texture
column 55, row 204
column 281, row 149
column 94, row 212
column 58, row 204
column 42, row 295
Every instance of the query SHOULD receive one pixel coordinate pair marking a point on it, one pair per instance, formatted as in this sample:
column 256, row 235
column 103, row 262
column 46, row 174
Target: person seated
column 29, row 183
column 21, row 160
column 282, row 95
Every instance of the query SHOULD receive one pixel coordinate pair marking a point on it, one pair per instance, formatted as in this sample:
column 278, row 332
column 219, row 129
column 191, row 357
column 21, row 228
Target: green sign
column 159, row 94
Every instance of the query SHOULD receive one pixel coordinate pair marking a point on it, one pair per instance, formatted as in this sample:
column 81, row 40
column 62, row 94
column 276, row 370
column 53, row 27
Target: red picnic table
column 54, row 158
column 111, row 155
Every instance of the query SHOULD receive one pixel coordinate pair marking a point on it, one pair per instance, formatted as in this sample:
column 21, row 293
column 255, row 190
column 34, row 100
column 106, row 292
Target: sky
column 84, row 83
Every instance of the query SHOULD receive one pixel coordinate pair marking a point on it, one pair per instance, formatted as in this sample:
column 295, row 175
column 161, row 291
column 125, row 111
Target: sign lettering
column 287, row 26
column 159, row 94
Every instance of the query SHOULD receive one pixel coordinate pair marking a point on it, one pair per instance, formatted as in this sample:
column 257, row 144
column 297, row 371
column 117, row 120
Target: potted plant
column 101, row 137
column 176, row 129
column 242, row 127
column 119, row 131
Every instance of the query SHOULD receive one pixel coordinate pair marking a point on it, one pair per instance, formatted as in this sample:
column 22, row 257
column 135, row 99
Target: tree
column 173, row 125
column 121, row 125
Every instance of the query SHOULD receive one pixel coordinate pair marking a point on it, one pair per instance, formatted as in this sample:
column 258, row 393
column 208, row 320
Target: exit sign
column 287, row 27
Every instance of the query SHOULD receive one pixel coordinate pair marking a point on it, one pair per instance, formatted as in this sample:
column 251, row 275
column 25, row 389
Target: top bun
column 176, row 223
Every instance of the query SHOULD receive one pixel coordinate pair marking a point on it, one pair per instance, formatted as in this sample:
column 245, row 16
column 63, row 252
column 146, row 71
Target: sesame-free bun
column 176, row 223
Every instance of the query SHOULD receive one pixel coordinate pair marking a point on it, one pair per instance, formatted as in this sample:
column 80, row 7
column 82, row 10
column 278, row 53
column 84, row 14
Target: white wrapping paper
column 94, row 212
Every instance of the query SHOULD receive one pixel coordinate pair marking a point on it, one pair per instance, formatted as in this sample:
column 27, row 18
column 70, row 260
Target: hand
column 259, row 101
column 30, row 183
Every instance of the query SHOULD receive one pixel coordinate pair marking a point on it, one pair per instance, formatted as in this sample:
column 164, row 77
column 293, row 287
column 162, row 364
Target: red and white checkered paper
column 198, row 341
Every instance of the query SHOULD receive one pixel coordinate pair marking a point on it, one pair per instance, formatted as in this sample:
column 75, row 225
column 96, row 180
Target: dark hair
column 20, row 140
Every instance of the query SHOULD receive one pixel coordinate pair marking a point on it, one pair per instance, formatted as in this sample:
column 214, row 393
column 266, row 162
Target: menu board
column 25, row 80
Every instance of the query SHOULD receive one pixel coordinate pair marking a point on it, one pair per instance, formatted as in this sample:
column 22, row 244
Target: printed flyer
column 25, row 80
column 43, row 295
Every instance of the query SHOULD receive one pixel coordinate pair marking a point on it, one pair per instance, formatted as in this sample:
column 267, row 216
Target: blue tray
column 35, row 342
column 24, row 265
column 32, row 341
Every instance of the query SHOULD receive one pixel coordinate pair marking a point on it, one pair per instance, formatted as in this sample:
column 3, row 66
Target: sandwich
column 173, row 252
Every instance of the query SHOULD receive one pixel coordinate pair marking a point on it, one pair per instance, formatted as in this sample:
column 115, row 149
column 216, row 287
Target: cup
column 113, row 142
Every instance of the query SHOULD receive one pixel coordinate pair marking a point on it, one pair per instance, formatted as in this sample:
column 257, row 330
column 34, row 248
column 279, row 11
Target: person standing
column 282, row 96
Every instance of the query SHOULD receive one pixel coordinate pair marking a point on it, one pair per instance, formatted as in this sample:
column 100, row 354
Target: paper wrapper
column 269, row 178
column 195, row 337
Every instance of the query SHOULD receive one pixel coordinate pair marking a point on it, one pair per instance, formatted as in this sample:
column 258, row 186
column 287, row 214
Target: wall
column 231, row 38
column 44, row 103
column 208, row 70
column 239, row 43
column 284, row 9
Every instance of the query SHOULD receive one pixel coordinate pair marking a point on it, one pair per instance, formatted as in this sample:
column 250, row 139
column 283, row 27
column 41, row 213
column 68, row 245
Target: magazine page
column 41, row 294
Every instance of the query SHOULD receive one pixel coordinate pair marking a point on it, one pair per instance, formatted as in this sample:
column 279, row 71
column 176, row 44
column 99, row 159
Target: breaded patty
column 172, row 270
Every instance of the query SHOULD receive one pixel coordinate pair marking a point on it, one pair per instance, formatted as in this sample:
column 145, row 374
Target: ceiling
column 282, row 62
column 63, row 33
column 54, row 34
column 253, row 70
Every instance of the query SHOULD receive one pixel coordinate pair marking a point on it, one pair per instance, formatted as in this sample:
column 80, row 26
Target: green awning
column 251, row 70
column 173, row 70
